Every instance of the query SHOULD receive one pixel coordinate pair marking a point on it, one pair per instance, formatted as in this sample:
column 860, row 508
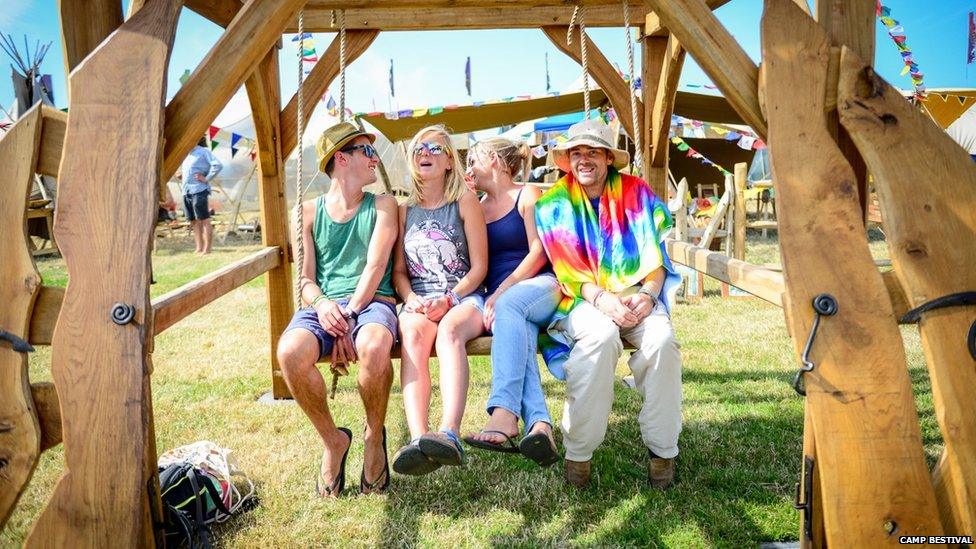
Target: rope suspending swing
column 577, row 19
column 638, row 163
column 337, row 369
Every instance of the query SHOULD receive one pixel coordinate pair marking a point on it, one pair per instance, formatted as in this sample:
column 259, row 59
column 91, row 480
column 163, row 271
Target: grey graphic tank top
column 436, row 249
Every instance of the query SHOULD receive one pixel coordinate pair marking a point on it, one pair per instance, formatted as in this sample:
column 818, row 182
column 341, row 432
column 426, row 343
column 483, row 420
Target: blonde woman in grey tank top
column 439, row 265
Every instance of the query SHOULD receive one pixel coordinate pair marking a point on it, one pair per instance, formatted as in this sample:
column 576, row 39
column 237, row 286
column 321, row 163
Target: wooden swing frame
column 827, row 118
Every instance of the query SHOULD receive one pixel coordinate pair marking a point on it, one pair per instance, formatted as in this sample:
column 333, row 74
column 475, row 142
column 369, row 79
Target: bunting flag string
column 685, row 127
column 971, row 47
column 237, row 141
column 692, row 153
column 306, row 49
column 897, row 33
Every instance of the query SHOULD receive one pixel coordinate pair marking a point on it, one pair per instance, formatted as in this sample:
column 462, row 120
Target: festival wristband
column 452, row 297
column 315, row 301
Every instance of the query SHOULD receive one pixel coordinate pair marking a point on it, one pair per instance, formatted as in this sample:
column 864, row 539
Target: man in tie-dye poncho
column 603, row 232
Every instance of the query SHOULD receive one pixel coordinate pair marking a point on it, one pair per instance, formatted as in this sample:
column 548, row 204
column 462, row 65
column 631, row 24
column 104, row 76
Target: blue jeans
column 519, row 313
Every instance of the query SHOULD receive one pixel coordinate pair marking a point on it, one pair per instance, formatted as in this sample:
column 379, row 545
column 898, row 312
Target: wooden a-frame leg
column 108, row 495
column 20, row 436
column 872, row 469
column 930, row 227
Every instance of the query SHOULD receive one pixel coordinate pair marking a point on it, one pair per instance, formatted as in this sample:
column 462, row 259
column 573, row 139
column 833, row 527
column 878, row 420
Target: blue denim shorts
column 476, row 300
column 197, row 206
column 377, row 312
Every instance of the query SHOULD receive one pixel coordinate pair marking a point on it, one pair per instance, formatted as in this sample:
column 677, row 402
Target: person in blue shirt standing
column 199, row 168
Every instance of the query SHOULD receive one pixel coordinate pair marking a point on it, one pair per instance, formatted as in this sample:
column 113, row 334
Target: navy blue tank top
column 507, row 247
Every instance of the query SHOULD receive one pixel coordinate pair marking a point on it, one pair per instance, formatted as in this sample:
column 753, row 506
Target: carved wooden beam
column 170, row 308
column 221, row 12
column 653, row 26
column 720, row 56
column 102, row 368
column 318, row 80
column 850, row 23
column 603, row 72
column 663, row 59
column 453, row 17
column 859, row 396
column 911, row 159
column 84, row 25
column 249, row 36
column 19, row 434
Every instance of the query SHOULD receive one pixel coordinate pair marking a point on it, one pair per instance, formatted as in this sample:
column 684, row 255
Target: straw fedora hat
column 335, row 138
column 592, row 133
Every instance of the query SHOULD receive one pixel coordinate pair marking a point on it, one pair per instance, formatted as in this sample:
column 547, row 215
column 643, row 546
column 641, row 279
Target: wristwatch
column 349, row 313
column 649, row 293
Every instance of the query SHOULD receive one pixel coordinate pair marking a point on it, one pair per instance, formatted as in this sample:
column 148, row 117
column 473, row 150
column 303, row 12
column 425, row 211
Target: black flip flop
column 538, row 448
column 375, row 487
column 409, row 460
column 334, row 489
column 443, row 447
column 507, row 447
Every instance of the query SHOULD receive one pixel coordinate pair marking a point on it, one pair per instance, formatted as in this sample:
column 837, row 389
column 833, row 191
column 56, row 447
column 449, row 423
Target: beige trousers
column 656, row 365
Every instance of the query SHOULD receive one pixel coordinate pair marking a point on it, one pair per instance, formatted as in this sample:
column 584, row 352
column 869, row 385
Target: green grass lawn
column 740, row 448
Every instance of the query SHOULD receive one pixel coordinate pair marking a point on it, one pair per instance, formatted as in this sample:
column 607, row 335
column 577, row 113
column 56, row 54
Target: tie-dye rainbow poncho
column 616, row 249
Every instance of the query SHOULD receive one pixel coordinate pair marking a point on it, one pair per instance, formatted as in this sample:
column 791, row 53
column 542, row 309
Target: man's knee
column 374, row 344
column 295, row 354
column 602, row 334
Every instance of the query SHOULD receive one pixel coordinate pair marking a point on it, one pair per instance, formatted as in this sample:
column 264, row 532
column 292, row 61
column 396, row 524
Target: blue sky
column 429, row 67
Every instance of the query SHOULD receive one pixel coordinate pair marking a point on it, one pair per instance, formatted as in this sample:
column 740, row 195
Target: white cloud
column 11, row 14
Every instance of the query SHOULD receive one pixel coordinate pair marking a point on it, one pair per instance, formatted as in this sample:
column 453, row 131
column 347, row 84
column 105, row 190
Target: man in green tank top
column 347, row 236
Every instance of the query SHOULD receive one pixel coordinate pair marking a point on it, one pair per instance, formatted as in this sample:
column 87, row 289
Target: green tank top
column 340, row 250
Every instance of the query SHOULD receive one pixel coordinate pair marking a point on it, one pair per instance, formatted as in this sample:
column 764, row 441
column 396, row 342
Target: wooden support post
column 19, row 433
column 859, row 396
column 318, row 80
column 681, row 216
column 84, row 25
column 719, row 55
column 739, row 223
column 264, row 93
column 911, row 159
column 663, row 58
column 603, row 72
column 101, row 367
column 850, row 23
column 255, row 29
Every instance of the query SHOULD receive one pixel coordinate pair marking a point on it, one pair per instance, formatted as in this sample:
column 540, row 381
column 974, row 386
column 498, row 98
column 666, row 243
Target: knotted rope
column 577, row 19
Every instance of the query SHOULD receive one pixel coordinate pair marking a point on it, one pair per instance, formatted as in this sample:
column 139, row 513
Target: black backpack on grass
column 191, row 502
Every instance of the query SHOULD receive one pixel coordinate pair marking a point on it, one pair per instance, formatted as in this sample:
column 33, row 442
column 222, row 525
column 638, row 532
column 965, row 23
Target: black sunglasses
column 368, row 150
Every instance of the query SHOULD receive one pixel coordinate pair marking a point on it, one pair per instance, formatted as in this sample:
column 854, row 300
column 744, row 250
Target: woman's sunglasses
column 368, row 150
column 433, row 149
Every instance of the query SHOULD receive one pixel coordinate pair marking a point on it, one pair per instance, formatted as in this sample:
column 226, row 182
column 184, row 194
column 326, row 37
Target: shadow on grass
column 730, row 470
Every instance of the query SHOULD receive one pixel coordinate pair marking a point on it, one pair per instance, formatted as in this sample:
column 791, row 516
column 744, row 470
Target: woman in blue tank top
column 522, row 296
column 438, row 270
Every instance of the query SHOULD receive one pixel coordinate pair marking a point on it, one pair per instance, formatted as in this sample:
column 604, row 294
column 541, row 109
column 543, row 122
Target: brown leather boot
column 578, row 473
column 660, row 472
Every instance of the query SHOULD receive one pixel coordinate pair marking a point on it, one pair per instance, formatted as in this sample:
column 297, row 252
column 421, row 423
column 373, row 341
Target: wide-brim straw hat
column 335, row 138
column 592, row 133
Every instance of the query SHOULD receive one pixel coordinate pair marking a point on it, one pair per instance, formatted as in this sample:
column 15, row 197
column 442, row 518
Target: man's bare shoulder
column 386, row 203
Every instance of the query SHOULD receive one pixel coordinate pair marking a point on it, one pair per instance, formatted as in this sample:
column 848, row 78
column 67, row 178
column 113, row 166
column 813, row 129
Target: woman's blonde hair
column 453, row 180
column 513, row 154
